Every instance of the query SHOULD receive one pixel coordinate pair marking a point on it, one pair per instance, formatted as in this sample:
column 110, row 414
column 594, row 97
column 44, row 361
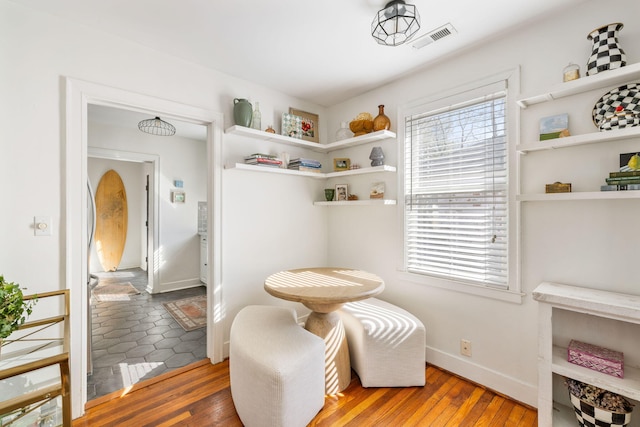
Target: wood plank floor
column 199, row 395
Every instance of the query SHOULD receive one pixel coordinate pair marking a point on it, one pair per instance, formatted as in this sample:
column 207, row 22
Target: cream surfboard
column 111, row 220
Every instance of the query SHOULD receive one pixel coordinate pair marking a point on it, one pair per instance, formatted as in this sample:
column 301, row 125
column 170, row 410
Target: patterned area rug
column 190, row 313
column 114, row 292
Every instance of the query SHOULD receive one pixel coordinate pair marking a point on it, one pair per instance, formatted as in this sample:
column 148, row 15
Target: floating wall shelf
column 365, row 202
column 320, row 148
column 579, row 195
column 587, row 138
column 600, row 80
column 317, row 175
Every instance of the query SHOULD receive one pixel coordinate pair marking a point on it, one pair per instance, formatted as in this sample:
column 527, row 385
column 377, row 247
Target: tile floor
column 138, row 339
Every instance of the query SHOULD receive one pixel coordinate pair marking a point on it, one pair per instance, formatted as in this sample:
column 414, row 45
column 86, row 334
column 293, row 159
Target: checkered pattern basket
column 591, row 416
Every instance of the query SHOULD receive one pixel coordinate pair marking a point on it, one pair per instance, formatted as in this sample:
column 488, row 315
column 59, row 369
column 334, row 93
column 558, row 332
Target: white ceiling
column 318, row 50
column 129, row 120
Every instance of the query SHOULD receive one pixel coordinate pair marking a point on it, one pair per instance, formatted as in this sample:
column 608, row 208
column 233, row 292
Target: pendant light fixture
column 157, row 126
column 396, row 23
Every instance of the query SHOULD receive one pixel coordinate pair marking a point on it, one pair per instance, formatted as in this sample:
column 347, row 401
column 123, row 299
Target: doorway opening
column 135, row 325
column 80, row 95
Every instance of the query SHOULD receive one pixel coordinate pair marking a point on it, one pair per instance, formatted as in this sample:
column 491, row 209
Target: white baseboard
column 180, row 284
column 504, row 384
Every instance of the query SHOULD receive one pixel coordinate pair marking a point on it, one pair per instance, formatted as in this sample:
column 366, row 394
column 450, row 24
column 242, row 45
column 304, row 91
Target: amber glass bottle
column 381, row 122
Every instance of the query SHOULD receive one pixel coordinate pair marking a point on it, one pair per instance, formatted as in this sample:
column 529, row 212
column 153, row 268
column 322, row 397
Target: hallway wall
column 183, row 159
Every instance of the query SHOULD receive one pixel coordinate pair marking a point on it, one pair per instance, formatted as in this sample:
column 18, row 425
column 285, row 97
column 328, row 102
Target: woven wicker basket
column 590, row 416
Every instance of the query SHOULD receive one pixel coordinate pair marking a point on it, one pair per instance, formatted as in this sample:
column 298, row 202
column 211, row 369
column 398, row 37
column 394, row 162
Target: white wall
column 589, row 243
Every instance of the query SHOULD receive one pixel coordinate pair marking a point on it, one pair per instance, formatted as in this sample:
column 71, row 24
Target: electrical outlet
column 465, row 348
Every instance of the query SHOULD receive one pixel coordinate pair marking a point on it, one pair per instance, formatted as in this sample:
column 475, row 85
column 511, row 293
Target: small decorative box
column 597, row 358
column 558, row 187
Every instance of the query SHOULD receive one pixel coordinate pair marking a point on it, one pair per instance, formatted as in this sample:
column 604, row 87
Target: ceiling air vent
column 434, row 36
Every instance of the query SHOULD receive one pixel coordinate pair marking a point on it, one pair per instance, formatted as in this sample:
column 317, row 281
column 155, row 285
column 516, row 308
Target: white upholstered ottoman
column 276, row 368
column 386, row 343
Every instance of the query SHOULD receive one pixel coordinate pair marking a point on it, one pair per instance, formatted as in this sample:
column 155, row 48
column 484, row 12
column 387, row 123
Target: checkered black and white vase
column 606, row 53
column 590, row 416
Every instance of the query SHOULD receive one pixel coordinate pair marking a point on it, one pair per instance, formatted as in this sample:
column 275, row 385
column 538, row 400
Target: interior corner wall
column 569, row 242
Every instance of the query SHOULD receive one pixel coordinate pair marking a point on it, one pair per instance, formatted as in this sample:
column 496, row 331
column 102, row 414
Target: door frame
column 79, row 94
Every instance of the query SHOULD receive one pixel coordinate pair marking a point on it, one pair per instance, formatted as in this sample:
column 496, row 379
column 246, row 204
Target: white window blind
column 456, row 192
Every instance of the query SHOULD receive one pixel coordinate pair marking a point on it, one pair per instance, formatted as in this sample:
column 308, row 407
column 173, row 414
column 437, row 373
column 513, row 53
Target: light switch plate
column 42, row 226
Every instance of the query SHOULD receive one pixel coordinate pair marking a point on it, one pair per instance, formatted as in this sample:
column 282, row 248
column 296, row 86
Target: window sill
column 486, row 292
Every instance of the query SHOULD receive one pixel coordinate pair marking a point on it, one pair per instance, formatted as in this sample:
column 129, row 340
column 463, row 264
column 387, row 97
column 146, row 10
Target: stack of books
column 307, row 165
column 260, row 159
column 628, row 180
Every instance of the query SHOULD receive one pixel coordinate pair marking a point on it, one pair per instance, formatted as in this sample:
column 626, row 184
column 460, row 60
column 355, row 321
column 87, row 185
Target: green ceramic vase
column 242, row 112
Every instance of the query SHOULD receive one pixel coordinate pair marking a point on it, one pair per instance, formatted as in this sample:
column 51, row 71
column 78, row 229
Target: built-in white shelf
column 313, row 146
column 367, row 202
column 628, row 386
column 600, row 80
column 613, row 305
column 552, row 359
column 579, row 195
column 317, row 175
column 587, row 138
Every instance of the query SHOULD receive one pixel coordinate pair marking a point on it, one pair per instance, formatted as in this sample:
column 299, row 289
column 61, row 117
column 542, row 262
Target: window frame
column 447, row 99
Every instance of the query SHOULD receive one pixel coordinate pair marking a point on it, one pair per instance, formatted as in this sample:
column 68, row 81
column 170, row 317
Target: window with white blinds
column 456, row 192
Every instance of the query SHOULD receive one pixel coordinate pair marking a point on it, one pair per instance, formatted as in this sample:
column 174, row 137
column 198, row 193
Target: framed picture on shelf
column 629, row 162
column 377, row 190
column 553, row 127
column 342, row 192
column 308, row 124
column 178, row 197
column 341, row 164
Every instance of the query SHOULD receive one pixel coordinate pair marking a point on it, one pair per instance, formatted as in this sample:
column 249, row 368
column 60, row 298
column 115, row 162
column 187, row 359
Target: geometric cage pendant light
column 396, row 23
column 157, row 126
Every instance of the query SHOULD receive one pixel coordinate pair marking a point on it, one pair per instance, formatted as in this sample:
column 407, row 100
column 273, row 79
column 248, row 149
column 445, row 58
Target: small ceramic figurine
column 376, row 156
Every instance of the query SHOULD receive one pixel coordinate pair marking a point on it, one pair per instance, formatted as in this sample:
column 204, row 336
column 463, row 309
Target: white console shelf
column 313, row 146
column 552, row 359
